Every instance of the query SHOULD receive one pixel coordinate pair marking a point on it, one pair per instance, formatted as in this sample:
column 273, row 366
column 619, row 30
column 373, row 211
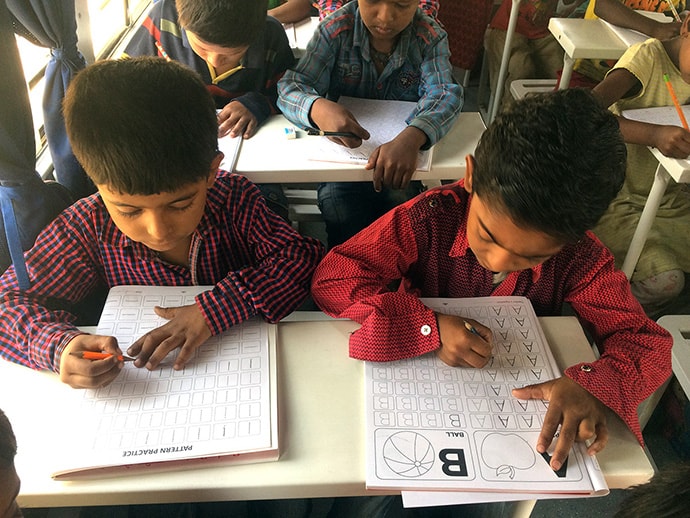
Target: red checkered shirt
column 257, row 263
column 423, row 244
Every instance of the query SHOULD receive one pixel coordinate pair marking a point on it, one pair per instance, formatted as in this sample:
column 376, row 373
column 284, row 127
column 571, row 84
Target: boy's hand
column 236, row 120
column 582, row 417
column 186, row 328
column 394, row 162
column 80, row 373
column 665, row 31
column 672, row 141
column 331, row 116
column 460, row 347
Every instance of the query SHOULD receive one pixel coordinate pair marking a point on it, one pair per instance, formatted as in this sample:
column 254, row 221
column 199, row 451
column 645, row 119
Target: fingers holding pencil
column 81, row 365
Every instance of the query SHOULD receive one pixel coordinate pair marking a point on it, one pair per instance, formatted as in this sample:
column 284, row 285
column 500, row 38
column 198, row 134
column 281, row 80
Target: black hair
column 141, row 125
column 8, row 443
column 666, row 495
column 552, row 162
column 228, row 23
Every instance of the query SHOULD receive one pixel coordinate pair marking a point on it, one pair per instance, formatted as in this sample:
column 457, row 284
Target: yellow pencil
column 683, row 121
column 674, row 10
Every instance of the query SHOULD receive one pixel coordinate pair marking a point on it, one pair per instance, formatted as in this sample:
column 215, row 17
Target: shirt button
column 586, row 368
column 425, row 330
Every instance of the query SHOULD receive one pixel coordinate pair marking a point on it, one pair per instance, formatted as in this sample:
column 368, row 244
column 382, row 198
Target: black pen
column 321, row 133
column 471, row 328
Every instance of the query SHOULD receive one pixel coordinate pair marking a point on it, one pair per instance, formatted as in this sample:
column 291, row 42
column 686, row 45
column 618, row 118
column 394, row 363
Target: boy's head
column 9, row 481
column 220, row 31
column 386, row 19
column 141, row 125
column 146, row 133
column 547, row 170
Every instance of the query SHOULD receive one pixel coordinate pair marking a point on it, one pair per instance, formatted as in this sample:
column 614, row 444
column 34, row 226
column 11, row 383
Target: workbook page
column 435, row 427
column 221, row 403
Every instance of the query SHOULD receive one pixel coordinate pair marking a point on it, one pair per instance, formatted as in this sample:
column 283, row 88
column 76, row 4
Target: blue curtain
column 27, row 203
column 52, row 24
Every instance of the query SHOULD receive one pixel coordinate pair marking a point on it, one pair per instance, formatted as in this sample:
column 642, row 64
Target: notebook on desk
column 435, row 428
column 222, row 407
column 383, row 119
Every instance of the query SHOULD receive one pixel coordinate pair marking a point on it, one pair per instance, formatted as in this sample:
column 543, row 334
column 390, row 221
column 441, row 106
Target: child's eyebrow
column 176, row 200
column 530, row 257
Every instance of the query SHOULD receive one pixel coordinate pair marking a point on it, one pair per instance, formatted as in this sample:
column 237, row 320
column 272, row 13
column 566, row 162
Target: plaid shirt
column 338, row 62
column 254, row 85
column 424, row 243
column 257, row 263
column 326, row 7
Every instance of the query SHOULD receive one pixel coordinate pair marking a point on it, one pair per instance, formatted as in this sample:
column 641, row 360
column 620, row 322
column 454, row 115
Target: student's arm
column 309, row 80
column 262, row 102
column 617, row 13
column 277, row 278
column 440, row 97
column 635, row 351
column 37, row 325
column 672, row 141
column 292, row 11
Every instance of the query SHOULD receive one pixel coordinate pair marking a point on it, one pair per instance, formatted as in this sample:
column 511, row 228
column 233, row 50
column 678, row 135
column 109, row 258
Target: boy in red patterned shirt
column 543, row 174
column 145, row 131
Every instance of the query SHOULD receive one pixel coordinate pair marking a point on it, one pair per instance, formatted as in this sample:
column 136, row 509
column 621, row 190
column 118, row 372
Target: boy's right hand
column 665, row 30
column 460, row 347
column 672, row 141
column 81, row 373
column 330, row 116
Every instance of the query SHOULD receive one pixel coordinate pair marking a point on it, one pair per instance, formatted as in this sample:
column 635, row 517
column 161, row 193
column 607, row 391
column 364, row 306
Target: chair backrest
column 465, row 21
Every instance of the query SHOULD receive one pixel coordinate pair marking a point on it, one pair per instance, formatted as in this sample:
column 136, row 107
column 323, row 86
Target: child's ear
column 685, row 27
column 470, row 164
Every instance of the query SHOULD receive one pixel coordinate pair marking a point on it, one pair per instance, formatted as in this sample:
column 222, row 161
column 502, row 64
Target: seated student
column 543, row 173
column 535, row 53
column 145, row 131
column 636, row 81
column 326, row 7
column 9, row 481
column 589, row 72
column 291, row 11
column 379, row 50
column 239, row 52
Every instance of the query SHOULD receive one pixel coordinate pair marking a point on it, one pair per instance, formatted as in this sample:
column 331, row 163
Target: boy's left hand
column 236, row 120
column 582, row 417
column 186, row 328
column 395, row 162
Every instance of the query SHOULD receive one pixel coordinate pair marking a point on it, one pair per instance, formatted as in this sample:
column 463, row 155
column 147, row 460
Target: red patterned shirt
column 423, row 245
column 256, row 262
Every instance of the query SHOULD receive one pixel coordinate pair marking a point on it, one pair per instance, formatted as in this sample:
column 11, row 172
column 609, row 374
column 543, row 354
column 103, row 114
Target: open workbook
column 383, row 119
column 222, row 407
column 435, row 428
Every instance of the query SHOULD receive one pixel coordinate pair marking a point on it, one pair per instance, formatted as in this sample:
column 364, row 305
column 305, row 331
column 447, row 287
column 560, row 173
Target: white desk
column 321, row 410
column 269, row 157
column 584, row 39
column 679, row 327
column 299, row 34
column 669, row 168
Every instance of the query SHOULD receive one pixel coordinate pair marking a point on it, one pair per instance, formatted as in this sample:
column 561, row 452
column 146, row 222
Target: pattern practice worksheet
column 435, row 427
column 221, row 404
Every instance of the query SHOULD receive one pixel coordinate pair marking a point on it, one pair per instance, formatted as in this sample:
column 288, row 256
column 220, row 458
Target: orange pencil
column 683, row 121
column 93, row 355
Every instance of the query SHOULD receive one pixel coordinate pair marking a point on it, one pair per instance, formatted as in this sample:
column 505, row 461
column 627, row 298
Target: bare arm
column 292, row 11
column 613, row 11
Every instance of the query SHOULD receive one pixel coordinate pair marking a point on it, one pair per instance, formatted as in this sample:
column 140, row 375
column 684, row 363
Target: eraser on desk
column 290, row 133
